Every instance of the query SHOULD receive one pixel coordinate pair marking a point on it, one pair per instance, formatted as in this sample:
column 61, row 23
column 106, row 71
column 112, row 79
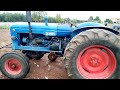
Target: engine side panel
column 53, row 29
column 56, row 34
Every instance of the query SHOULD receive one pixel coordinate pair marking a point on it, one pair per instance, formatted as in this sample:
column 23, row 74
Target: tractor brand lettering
column 50, row 33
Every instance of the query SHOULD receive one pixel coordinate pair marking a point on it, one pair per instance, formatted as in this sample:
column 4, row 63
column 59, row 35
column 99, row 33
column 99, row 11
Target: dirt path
column 38, row 68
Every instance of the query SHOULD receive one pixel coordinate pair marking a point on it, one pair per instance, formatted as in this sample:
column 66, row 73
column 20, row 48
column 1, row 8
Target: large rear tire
column 93, row 54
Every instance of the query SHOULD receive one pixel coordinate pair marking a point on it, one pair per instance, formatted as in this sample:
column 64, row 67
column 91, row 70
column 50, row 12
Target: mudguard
column 90, row 25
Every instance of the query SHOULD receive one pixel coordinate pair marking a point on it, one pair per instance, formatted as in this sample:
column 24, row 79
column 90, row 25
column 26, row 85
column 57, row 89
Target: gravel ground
column 39, row 69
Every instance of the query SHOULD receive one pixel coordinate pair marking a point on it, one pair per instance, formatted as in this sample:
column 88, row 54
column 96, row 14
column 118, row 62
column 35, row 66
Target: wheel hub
column 94, row 62
column 13, row 66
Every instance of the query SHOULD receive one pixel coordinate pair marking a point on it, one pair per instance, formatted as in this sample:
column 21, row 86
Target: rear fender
column 77, row 31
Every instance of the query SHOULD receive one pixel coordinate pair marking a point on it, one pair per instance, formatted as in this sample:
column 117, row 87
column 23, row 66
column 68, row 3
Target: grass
column 6, row 26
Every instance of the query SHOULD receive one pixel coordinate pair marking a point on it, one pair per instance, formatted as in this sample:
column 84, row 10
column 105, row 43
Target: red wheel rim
column 96, row 62
column 13, row 66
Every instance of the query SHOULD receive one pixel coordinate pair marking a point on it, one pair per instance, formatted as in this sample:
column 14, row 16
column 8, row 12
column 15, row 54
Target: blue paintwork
column 89, row 25
column 46, row 20
column 43, row 49
column 83, row 26
column 48, row 29
column 53, row 29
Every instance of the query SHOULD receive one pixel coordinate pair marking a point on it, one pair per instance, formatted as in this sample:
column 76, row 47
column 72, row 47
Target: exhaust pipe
column 29, row 19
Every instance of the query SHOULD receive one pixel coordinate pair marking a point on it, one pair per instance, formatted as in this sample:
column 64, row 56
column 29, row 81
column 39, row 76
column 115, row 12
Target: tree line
column 38, row 16
column 10, row 17
column 97, row 19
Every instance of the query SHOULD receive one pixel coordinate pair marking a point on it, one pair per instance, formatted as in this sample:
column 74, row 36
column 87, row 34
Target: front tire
column 14, row 65
column 93, row 54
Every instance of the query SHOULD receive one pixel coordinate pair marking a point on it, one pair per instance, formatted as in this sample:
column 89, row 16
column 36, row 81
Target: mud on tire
column 92, row 37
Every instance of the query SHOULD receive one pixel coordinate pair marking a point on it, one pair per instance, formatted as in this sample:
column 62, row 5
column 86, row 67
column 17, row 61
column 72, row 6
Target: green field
column 6, row 26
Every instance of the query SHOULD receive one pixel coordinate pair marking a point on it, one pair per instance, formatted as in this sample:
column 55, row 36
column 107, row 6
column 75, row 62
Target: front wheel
column 14, row 65
column 93, row 54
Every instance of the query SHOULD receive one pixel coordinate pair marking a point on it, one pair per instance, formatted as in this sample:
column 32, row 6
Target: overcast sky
column 82, row 15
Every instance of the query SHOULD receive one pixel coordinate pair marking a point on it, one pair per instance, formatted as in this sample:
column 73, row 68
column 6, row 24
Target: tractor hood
column 52, row 29
column 34, row 25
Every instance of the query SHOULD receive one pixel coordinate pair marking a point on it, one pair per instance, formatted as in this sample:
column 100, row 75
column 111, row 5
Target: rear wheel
column 93, row 54
column 14, row 65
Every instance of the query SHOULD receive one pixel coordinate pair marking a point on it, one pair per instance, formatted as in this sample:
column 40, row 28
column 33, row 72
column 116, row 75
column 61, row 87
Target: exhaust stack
column 29, row 20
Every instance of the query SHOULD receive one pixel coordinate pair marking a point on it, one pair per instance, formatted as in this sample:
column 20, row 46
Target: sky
column 81, row 15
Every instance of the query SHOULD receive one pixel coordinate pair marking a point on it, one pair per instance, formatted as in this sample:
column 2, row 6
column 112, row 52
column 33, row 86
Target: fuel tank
column 52, row 29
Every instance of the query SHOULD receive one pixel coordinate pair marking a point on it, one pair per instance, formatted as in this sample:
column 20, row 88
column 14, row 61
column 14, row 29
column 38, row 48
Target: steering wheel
column 69, row 22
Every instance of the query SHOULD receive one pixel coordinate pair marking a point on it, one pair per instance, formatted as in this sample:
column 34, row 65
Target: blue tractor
column 90, row 50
